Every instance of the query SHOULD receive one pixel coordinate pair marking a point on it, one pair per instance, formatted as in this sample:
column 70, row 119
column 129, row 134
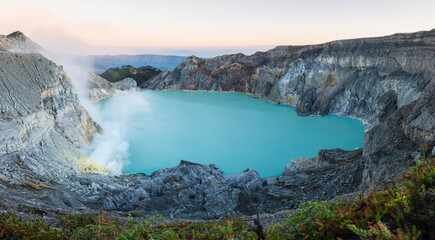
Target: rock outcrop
column 17, row 42
column 125, row 84
column 100, row 88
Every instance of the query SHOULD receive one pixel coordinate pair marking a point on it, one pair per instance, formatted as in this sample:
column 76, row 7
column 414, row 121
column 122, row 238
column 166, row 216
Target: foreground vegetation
column 140, row 75
column 402, row 209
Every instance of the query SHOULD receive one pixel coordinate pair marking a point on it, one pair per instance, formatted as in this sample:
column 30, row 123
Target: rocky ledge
column 387, row 82
column 100, row 88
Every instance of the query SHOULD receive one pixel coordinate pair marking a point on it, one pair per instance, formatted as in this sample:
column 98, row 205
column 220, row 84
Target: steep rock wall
column 41, row 120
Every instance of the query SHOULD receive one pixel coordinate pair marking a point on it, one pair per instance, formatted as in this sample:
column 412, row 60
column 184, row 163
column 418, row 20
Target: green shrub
column 140, row 75
column 16, row 227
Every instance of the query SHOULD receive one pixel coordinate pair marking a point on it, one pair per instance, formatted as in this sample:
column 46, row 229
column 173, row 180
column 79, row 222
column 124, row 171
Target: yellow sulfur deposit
column 91, row 166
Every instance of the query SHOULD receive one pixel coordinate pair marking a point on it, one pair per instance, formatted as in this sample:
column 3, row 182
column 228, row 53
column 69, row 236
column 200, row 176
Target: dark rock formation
column 197, row 191
column 332, row 173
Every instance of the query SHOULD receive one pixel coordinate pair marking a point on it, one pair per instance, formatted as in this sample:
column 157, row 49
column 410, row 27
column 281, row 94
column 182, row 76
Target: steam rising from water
column 110, row 147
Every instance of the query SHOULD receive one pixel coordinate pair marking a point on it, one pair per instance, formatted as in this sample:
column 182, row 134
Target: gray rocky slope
column 42, row 123
column 17, row 42
column 387, row 82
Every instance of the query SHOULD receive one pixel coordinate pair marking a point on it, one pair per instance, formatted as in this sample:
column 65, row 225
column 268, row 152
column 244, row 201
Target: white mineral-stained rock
column 100, row 88
column 42, row 122
column 125, row 84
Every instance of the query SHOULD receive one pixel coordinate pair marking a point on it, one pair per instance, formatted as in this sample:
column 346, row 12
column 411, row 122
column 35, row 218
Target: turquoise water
column 231, row 130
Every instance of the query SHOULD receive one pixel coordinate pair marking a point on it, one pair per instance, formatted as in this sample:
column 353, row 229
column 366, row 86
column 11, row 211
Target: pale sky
column 141, row 26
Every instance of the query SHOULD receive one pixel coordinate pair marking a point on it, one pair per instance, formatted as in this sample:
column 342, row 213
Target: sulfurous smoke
column 110, row 147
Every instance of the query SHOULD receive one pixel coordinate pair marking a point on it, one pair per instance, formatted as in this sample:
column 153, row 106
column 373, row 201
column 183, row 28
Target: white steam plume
column 110, row 147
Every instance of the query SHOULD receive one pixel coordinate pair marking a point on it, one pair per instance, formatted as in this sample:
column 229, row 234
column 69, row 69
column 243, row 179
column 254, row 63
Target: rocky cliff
column 387, row 82
column 41, row 121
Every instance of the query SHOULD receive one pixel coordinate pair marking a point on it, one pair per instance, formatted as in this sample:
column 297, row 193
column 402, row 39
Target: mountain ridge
column 162, row 62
